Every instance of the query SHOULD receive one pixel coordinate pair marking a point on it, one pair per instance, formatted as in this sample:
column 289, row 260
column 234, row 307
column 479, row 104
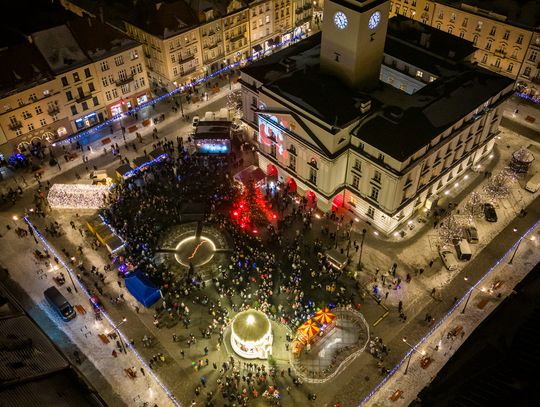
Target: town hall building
column 374, row 115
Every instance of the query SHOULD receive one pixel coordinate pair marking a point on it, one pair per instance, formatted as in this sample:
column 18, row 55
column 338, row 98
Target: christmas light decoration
column 180, row 89
column 252, row 209
column 448, row 314
column 77, row 196
column 498, row 186
column 451, row 230
column 474, row 207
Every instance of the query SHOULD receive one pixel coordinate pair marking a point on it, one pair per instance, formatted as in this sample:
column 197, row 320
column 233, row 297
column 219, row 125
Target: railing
column 83, row 97
column 15, row 125
column 123, row 81
column 52, row 110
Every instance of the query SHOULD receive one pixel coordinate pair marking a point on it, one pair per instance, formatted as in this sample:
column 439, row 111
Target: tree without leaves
column 450, row 230
column 474, row 208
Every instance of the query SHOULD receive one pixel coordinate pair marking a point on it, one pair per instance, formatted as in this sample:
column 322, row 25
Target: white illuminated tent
column 77, row 196
column 251, row 335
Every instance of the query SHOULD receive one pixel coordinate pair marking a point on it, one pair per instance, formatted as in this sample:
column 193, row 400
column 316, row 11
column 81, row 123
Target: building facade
column 262, row 31
column 504, row 39
column 369, row 151
column 183, row 41
column 99, row 77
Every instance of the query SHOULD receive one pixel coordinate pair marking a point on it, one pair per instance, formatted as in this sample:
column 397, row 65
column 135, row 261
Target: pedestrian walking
column 182, row 353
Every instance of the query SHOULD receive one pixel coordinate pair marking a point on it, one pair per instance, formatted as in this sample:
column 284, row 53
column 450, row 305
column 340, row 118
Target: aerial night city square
column 225, row 203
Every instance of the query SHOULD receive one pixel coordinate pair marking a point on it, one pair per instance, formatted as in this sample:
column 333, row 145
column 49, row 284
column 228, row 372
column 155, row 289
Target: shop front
column 89, row 120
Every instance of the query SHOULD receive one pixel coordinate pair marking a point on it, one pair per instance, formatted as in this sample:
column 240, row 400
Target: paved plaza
column 186, row 359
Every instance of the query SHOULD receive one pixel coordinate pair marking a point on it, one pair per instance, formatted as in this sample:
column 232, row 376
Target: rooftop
column 424, row 46
column 294, row 74
column 33, row 372
column 22, row 67
column 164, row 19
column 405, row 123
column 250, row 325
column 519, row 12
column 398, row 124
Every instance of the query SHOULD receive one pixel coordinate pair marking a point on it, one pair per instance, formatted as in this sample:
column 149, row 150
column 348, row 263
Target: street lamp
column 423, row 353
column 115, row 328
column 180, row 97
column 532, row 238
column 364, row 232
column 15, row 219
column 470, row 293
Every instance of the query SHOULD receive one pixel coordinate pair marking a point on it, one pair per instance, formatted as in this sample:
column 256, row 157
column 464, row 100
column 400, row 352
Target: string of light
column 102, row 312
column 448, row 314
column 179, row 89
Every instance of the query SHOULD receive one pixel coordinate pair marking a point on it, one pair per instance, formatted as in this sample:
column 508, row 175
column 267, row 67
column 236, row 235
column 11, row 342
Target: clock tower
column 353, row 36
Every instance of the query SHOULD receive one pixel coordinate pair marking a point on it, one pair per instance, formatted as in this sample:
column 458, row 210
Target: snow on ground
column 417, row 377
column 84, row 329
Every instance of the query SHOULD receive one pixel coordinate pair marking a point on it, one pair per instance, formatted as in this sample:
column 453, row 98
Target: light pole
column 180, row 97
column 364, row 231
column 15, row 219
column 519, row 244
column 115, row 329
column 423, row 353
column 470, row 293
column 71, row 277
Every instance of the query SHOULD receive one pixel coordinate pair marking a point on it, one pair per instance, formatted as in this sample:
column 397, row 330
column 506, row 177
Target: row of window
column 76, row 77
column 118, row 60
column 84, row 106
column 80, row 92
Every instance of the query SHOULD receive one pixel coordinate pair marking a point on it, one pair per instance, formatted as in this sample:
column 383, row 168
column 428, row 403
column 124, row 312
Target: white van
column 463, row 250
column 534, row 183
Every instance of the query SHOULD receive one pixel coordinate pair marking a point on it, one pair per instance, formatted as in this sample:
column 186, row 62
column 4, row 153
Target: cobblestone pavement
column 177, row 372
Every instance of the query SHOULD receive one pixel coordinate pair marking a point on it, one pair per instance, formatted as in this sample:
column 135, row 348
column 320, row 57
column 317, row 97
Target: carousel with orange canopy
column 313, row 329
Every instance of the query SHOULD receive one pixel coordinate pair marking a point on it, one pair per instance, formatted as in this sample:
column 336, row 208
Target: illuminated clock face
column 374, row 20
column 340, row 20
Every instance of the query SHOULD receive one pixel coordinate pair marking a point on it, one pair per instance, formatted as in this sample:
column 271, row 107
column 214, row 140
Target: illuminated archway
column 271, row 171
column 337, row 202
column 291, row 184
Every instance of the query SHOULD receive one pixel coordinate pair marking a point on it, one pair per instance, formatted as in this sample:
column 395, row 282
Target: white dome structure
column 251, row 335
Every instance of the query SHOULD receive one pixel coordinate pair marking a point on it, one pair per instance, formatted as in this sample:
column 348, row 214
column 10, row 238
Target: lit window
column 419, row 74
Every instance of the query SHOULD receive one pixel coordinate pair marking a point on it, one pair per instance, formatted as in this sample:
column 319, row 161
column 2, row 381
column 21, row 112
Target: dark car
column 489, row 213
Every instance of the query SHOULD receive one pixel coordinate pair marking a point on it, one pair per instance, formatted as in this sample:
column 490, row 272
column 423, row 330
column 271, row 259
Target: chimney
column 158, row 5
column 101, row 17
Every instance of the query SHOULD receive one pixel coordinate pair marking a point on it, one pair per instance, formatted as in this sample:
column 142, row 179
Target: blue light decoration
column 180, row 89
column 102, row 312
column 448, row 314
column 147, row 164
column 527, row 97
column 210, row 148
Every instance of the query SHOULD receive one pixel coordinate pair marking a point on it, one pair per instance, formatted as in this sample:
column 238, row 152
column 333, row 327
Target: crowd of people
column 267, row 270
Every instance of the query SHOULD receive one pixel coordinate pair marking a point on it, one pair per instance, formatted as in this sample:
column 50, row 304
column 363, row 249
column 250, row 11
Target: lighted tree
column 234, row 103
column 498, row 186
column 451, row 230
column 474, row 208
column 251, row 209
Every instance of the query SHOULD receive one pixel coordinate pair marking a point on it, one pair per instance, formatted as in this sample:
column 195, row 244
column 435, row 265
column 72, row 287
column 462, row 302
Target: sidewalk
column 438, row 345
column 95, row 149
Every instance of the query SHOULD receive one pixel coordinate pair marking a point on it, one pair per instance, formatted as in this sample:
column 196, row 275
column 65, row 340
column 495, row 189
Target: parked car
column 195, row 121
column 471, row 234
column 489, row 212
column 449, row 259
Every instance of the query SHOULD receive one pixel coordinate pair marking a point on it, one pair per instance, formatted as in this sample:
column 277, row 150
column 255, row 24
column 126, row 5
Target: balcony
column 123, row 81
column 299, row 10
column 307, row 6
column 536, row 80
column 52, row 110
column 15, row 125
column 186, row 58
column 500, row 53
column 237, row 37
column 83, row 97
